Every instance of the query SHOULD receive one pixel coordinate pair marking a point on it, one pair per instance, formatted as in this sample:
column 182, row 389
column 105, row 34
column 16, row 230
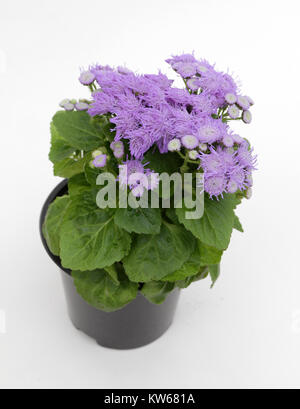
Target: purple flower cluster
column 227, row 170
column 148, row 112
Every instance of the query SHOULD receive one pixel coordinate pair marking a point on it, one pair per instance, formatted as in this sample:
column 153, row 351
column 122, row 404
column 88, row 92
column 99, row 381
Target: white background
column 246, row 332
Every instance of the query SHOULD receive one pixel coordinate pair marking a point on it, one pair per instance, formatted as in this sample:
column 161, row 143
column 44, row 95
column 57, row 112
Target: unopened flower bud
column 69, row 107
column 82, row 106
column 87, row 78
column 190, row 142
column 100, row 161
column 203, row 147
column 193, row 155
column 243, row 103
column 234, row 112
column 247, row 117
column 64, row 102
column 174, row 145
column 231, row 98
column 228, row 141
column 249, row 193
column 96, row 153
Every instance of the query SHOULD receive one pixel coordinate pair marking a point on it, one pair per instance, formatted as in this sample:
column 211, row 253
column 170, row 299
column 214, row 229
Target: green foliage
column 214, row 271
column 215, row 227
column 189, row 269
column 153, row 257
column 157, row 291
column 60, row 149
column 170, row 163
column 113, row 252
column 140, row 221
column 78, row 130
column 68, row 168
column 53, row 222
column 237, row 224
column 93, row 241
column 209, row 255
column 98, row 290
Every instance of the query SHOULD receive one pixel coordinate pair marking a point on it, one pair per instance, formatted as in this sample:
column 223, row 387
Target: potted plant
column 126, row 239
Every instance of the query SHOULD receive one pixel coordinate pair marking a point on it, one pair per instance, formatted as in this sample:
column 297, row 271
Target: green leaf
column 154, row 257
column 78, row 130
column 82, row 204
column 141, row 221
column 78, row 185
column 113, row 273
column 98, row 290
column 237, row 224
column 214, row 273
column 60, row 149
column 93, row 241
column 157, row 292
column 171, row 215
column 209, row 255
column 190, row 268
column 170, row 163
column 202, row 275
column 68, row 167
column 53, row 221
column 216, row 225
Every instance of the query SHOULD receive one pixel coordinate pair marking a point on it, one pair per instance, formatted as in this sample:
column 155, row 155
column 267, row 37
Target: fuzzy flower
column 193, row 84
column 232, row 187
column 234, row 112
column 247, row 117
column 238, row 139
column 100, row 161
column 212, row 131
column 124, row 70
column 243, row 103
column 190, row 142
column 212, row 163
column 215, row 185
column 133, row 174
column 228, row 141
column 231, row 98
column 87, row 78
column 185, row 69
column 245, row 158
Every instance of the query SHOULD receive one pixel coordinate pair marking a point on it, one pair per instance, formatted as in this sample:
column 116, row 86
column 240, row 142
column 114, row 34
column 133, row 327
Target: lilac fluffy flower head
column 211, row 131
column 215, row 185
column 189, row 142
column 133, row 174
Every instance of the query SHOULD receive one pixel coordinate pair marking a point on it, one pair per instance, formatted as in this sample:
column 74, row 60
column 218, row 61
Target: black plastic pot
column 136, row 325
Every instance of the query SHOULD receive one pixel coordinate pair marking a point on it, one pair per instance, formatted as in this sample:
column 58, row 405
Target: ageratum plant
column 151, row 126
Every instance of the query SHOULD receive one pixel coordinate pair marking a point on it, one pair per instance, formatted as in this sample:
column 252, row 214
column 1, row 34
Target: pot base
column 138, row 324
